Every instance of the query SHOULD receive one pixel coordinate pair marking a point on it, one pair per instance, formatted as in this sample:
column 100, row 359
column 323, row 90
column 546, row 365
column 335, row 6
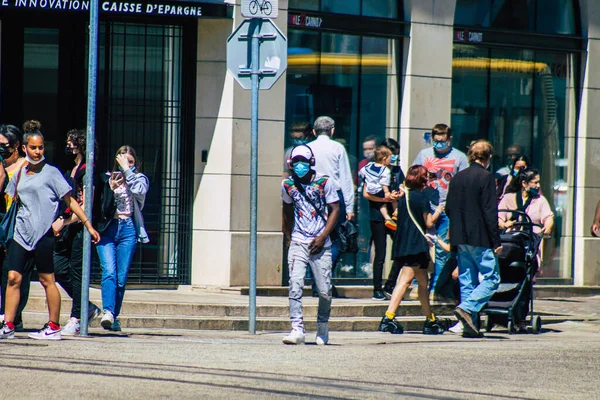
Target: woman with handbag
column 411, row 250
column 37, row 191
column 122, row 226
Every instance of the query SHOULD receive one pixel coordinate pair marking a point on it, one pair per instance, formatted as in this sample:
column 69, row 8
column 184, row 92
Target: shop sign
column 122, row 7
column 464, row 35
column 305, row 21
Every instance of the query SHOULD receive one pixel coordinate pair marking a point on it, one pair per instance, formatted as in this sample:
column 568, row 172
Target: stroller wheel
column 489, row 324
column 536, row 324
column 511, row 327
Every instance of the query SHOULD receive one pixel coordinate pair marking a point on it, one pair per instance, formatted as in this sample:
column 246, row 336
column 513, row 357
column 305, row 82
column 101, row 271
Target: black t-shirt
column 407, row 239
column 397, row 178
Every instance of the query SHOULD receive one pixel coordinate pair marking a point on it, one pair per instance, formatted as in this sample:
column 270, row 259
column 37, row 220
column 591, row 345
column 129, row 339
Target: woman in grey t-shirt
column 39, row 188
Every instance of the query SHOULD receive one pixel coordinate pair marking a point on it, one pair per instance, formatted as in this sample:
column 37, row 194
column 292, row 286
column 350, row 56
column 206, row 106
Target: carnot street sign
column 260, row 8
column 272, row 59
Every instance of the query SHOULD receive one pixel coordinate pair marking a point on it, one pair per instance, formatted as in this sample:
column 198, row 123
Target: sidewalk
column 576, row 307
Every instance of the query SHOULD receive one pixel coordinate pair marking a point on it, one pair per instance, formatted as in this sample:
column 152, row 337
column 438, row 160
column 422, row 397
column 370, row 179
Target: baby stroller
column 513, row 300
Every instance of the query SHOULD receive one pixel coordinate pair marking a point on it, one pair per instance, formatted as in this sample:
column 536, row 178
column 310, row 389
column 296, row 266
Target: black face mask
column 5, row 151
column 69, row 151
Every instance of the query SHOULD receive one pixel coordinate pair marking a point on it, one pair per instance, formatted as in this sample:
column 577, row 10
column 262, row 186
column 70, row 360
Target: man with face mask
column 443, row 162
column 300, row 133
column 311, row 209
column 473, row 211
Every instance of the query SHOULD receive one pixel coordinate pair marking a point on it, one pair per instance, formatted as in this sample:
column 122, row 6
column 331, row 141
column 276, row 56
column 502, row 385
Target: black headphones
column 312, row 156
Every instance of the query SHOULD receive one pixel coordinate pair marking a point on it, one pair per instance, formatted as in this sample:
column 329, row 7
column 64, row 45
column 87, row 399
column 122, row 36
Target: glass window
column 312, row 5
column 353, row 79
column 341, row 7
column 544, row 16
column 380, row 8
column 520, row 100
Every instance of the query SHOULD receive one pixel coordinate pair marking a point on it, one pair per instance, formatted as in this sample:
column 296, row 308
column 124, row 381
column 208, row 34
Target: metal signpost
column 255, row 69
column 89, row 166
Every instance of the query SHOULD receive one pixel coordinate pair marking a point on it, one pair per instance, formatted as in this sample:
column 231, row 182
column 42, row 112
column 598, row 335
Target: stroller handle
column 521, row 214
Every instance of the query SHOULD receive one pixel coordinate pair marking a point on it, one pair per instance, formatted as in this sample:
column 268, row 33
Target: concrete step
column 35, row 320
column 364, row 292
column 375, row 309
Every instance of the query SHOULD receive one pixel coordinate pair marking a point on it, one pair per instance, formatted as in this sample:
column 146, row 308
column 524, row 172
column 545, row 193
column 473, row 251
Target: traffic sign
column 272, row 58
column 260, row 8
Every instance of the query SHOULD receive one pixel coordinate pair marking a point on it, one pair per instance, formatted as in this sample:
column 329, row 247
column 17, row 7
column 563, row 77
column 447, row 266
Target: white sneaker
column 71, row 328
column 94, row 312
column 108, row 320
column 46, row 333
column 457, row 328
column 322, row 333
column 295, row 337
column 5, row 331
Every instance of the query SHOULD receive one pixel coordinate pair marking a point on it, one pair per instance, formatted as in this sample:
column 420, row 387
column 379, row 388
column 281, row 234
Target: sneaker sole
column 106, row 324
column 53, row 337
column 69, row 333
column 9, row 336
column 467, row 328
column 293, row 341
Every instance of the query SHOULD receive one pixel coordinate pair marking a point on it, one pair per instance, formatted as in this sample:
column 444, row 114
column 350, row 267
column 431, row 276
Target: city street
column 560, row 363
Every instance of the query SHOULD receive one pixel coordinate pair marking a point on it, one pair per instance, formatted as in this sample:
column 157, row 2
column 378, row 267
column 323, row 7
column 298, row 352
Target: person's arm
column 77, row 210
column 547, row 216
column 595, row 229
column 317, row 244
column 288, row 222
column 2, row 176
column 490, row 212
column 430, row 219
column 346, row 183
column 372, row 197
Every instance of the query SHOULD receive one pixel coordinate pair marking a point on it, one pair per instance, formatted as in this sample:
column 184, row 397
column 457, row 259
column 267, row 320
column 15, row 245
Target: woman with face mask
column 519, row 163
column 39, row 187
column 524, row 194
column 68, row 247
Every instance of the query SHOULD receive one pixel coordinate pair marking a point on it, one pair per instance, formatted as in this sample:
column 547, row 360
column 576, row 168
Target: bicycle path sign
column 260, row 8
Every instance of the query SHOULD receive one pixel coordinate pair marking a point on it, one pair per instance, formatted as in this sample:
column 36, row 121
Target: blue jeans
column 441, row 257
column 473, row 261
column 115, row 250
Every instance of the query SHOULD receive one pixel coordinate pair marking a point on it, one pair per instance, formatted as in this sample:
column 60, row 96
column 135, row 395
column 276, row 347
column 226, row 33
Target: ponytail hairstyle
column 13, row 135
column 31, row 128
column 526, row 175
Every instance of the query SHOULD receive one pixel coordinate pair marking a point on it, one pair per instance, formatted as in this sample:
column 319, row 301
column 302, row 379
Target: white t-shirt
column 375, row 177
column 308, row 224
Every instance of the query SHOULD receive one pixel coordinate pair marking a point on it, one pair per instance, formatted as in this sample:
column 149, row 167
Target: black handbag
column 7, row 225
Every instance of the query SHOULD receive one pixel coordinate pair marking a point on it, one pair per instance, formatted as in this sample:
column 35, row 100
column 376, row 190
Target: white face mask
column 32, row 162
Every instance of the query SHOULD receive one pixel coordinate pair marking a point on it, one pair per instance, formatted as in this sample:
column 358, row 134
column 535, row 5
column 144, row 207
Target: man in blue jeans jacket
column 473, row 210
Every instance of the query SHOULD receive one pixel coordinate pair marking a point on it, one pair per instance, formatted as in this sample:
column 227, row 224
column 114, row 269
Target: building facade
column 515, row 72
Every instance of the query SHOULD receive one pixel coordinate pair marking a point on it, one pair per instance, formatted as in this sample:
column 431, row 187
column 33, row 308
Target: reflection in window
column 521, row 97
column 341, row 7
column 353, row 80
column 312, row 5
column 380, row 8
column 368, row 8
column 543, row 16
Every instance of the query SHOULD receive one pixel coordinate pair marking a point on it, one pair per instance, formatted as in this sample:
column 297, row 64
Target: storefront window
column 353, row 80
column 368, row 8
column 521, row 97
column 542, row 16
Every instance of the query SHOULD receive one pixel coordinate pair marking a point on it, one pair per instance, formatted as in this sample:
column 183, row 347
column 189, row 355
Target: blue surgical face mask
column 515, row 172
column 533, row 191
column 394, row 158
column 301, row 168
column 440, row 145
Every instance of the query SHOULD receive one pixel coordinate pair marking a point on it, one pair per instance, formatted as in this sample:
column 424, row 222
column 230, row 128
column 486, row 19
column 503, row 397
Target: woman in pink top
column 524, row 194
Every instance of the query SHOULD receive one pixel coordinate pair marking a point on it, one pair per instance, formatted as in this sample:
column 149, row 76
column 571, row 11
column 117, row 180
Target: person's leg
column 406, row 276
column 390, row 284
column 108, row 260
column 24, row 288
column 442, row 226
column 76, row 268
column 44, row 261
column 378, row 233
column 321, row 267
column 297, row 261
column 126, row 243
column 3, row 281
column 467, row 273
column 487, row 265
column 335, row 247
column 62, row 272
column 423, row 279
column 15, row 262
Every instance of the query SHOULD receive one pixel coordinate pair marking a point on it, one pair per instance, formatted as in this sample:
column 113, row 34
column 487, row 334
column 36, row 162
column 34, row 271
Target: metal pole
column 89, row 167
column 255, row 30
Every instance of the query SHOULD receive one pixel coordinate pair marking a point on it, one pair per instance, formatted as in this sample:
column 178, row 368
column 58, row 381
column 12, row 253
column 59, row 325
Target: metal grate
column 140, row 101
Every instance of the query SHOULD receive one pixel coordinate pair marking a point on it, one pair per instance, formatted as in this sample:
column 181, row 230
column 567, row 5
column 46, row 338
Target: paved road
column 563, row 362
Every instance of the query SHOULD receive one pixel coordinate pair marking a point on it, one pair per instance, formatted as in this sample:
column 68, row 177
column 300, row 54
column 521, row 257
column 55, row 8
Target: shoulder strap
column 16, row 197
column 412, row 217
